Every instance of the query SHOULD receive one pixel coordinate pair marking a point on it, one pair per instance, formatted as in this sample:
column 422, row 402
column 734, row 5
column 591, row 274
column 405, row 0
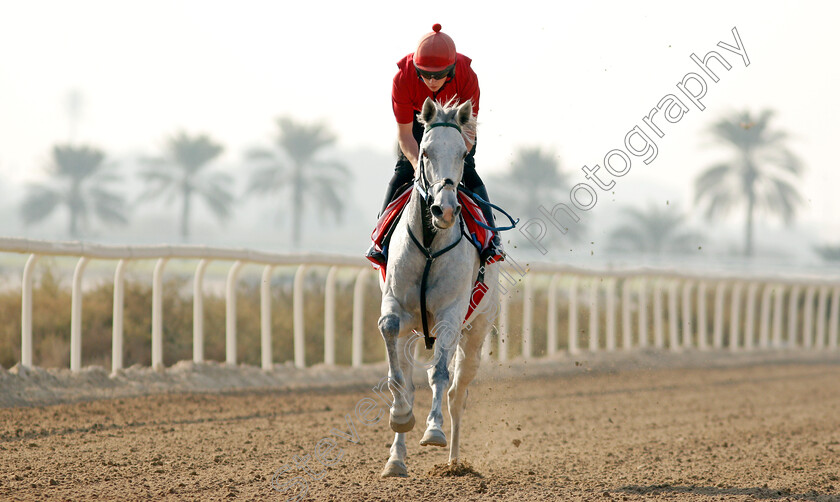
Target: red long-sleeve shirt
column 409, row 92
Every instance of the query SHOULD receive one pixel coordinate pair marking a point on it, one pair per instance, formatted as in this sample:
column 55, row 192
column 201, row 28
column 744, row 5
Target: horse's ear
column 427, row 115
column 465, row 113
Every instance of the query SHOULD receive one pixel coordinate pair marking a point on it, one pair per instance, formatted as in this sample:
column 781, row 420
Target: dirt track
column 766, row 432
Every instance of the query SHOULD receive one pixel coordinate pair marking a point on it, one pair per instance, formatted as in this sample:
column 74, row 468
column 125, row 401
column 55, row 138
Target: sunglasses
column 437, row 75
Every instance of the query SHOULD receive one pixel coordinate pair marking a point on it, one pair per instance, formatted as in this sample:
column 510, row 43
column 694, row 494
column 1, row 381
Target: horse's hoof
column 394, row 469
column 402, row 427
column 433, row 437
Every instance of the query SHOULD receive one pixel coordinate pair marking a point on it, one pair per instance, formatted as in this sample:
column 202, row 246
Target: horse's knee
column 440, row 372
column 453, row 394
column 389, row 326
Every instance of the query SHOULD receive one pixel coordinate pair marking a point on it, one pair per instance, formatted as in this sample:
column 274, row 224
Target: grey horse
column 432, row 218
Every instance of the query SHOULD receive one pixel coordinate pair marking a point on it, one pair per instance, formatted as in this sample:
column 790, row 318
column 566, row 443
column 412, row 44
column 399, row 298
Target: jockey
column 434, row 71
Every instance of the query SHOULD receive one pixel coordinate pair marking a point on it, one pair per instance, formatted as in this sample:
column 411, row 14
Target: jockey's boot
column 495, row 247
column 376, row 256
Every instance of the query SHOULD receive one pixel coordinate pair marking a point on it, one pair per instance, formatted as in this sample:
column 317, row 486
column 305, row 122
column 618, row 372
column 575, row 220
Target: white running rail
column 611, row 299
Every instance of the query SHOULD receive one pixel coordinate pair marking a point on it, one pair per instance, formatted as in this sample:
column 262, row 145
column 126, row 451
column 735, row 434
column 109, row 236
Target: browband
column 444, row 124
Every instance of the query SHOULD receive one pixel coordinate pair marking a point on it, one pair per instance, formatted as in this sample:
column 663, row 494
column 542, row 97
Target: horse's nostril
column 457, row 211
column 437, row 212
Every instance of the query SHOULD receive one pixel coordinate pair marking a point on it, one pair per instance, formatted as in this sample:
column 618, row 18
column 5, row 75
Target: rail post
column 297, row 307
column 76, row 317
column 626, row 316
column 329, row 317
column 834, row 319
column 119, row 305
column 551, row 336
column 198, row 311
column 702, row 320
column 157, row 314
column 230, row 313
column 26, row 312
column 822, row 301
column 527, row 316
column 687, row 335
column 808, row 318
column 658, row 330
column 735, row 316
column 643, row 313
column 573, row 316
column 793, row 310
column 778, row 309
column 673, row 324
column 266, row 359
column 764, row 316
column 593, row 313
column 749, row 325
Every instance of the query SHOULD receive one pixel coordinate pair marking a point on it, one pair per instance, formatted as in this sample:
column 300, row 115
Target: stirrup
column 494, row 250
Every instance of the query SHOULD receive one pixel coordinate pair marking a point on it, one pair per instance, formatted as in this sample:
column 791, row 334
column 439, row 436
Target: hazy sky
column 573, row 77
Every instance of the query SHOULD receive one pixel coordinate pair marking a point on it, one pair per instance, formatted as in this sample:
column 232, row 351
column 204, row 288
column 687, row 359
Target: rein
column 513, row 222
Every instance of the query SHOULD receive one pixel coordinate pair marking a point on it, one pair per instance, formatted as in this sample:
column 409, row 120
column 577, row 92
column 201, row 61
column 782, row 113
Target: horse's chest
column 442, row 288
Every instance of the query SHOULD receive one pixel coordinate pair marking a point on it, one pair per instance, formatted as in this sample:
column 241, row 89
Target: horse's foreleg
column 467, row 359
column 438, row 375
column 396, row 462
column 396, row 465
column 401, row 416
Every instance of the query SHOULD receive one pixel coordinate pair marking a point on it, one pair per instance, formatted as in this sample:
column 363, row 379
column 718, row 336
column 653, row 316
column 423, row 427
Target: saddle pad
column 470, row 213
column 390, row 217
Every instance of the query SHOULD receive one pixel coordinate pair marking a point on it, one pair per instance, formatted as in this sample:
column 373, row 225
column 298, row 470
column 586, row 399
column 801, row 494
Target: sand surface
column 647, row 427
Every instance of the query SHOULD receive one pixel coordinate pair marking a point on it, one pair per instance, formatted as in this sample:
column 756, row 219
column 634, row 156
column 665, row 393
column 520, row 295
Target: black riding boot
column 496, row 244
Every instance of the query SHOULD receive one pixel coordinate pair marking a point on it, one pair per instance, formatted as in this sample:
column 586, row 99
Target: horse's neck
column 434, row 241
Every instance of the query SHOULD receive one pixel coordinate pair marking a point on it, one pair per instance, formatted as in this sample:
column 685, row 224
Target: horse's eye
column 425, row 154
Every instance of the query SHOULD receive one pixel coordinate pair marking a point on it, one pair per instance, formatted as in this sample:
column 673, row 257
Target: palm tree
column 536, row 173
column 306, row 177
column 653, row 231
column 190, row 155
column 80, row 180
column 759, row 177
column 534, row 179
column 828, row 252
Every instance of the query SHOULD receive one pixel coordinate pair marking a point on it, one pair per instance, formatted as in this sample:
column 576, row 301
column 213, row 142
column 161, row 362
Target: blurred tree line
column 83, row 182
column 757, row 179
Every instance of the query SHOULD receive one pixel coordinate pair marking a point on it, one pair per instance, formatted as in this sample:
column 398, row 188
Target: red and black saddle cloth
column 471, row 215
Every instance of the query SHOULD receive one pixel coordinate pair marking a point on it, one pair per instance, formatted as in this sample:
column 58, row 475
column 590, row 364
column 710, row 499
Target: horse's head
column 442, row 154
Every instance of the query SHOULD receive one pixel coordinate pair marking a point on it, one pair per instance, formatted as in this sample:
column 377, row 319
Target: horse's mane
column 448, row 112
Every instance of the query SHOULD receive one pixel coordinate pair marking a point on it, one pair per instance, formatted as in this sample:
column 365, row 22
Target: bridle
column 424, row 189
column 422, row 182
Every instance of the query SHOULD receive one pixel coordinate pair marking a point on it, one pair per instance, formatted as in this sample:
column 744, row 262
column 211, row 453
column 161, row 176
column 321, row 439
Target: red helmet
column 435, row 51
